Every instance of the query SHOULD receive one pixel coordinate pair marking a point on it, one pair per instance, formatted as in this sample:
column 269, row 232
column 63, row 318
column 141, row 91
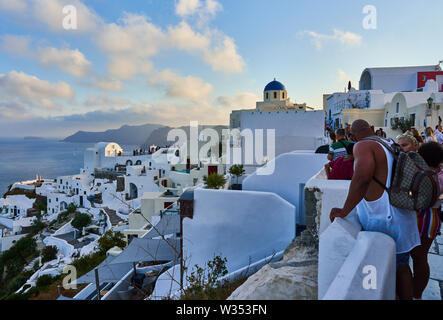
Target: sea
column 22, row 159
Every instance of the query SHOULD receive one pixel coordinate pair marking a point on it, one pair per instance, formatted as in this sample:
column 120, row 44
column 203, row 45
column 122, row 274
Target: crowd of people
column 352, row 156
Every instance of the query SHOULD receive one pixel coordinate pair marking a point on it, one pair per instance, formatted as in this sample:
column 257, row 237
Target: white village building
column 389, row 95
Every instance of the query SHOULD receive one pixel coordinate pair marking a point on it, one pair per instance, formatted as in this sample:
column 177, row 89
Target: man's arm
column 327, row 170
column 363, row 174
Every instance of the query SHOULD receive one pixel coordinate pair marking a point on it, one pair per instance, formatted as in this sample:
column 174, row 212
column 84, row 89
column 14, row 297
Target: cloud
column 184, row 38
column 106, row 101
column 241, row 100
column 13, row 110
column 345, row 38
column 32, row 91
column 171, row 113
column 204, row 11
column 225, row 57
column 108, row 84
column 49, row 13
column 343, row 76
column 133, row 41
column 16, row 45
column 131, row 45
column 185, row 8
column 70, row 61
column 217, row 50
column 176, row 86
column 13, row 6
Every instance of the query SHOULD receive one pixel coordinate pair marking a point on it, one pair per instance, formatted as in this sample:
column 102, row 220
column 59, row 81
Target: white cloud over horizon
column 19, row 87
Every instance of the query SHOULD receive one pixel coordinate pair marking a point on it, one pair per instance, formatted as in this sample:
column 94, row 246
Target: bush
column 71, row 208
column 81, row 220
column 49, row 253
column 203, row 283
column 45, row 281
column 18, row 281
column 111, row 239
column 17, row 256
column 215, row 181
column 63, row 216
column 86, row 263
column 37, row 226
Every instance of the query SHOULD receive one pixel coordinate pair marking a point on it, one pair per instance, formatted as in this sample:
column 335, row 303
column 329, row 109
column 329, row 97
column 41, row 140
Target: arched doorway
column 63, row 206
column 129, row 163
column 138, row 162
column 133, row 191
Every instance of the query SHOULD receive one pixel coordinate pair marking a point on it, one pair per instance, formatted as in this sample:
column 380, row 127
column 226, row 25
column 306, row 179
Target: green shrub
column 81, row 220
column 37, row 226
column 45, row 281
column 203, row 283
column 71, row 208
column 49, row 253
column 215, row 181
column 111, row 239
column 18, row 281
column 17, row 256
column 88, row 262
column 63, row 216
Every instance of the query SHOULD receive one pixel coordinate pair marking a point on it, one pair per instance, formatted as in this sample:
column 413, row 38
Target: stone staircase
column 115, row 219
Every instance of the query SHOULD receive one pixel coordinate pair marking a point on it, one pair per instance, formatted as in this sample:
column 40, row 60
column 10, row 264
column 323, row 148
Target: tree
column 237, row 170
column 49, row 253
column 215, row 181
column 402, row 124
column 110, row 240
column 81, row 220
column 71, row 208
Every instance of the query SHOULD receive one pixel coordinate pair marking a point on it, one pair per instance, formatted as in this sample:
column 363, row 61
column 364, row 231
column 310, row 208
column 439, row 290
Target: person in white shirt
column 438, row 132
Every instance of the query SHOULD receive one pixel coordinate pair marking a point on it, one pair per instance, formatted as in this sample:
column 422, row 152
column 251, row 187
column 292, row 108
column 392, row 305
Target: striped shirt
column 338, row 149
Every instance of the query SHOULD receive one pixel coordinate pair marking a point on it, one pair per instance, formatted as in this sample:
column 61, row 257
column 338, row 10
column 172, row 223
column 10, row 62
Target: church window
column 267, row 96
column 275, row 95
column 283, row 95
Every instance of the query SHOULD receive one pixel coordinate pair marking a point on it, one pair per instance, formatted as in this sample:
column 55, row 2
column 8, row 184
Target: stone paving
column 434, row 290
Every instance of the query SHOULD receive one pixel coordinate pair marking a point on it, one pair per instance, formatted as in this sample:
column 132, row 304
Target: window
column 397, row 107
column 267, row 96
column 413, row 119
column 275, row 95
column 424, row 78
column 283, row 95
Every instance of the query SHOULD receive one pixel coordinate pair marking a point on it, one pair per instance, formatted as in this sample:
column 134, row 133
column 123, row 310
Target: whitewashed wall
column 243, row 226
column 290, row 170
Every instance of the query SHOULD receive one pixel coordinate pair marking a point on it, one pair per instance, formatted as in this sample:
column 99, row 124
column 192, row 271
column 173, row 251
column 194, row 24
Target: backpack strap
column 394, row 152
column 383, row 142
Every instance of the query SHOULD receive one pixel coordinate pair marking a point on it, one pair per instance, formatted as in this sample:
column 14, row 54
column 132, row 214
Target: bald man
column 373, row 160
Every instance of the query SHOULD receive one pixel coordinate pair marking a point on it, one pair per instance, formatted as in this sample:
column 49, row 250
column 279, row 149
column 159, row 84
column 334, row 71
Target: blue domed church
column 275, row 97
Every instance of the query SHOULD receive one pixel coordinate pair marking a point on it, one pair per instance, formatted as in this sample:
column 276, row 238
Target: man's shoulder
column 339, row 144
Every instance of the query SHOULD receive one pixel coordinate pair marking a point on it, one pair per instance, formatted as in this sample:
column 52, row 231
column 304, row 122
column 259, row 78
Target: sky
column 69, row 65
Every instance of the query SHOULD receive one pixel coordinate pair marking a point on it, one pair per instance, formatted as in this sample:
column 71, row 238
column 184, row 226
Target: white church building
column 296, row 127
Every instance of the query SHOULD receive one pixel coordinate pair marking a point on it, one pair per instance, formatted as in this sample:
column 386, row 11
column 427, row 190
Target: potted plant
column 237, row 170
column 214, row 181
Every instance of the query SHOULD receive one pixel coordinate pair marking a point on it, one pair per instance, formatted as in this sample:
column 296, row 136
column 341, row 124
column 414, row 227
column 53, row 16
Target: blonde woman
column 407, row 142
column 417, row 135
column 429, row 135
